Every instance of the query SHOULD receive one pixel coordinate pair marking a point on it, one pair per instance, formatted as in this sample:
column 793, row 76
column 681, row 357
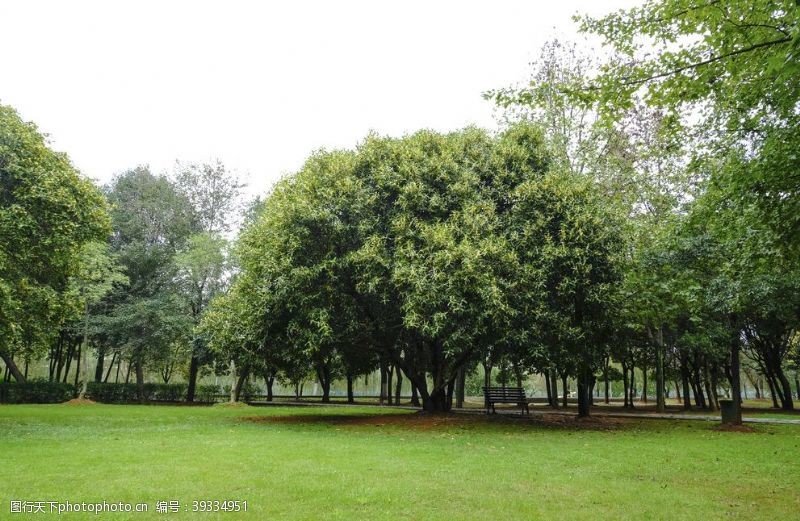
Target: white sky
column 260, row 85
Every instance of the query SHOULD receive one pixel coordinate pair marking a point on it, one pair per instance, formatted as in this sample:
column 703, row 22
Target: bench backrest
column 502, row 394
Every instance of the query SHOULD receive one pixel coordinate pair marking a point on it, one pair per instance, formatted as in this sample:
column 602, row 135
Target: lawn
column 369, row 463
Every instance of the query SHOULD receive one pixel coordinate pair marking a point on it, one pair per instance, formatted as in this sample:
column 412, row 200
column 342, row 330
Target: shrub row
column 45, row 391
column 124, row 393
column 36, row 391
column 151, row 392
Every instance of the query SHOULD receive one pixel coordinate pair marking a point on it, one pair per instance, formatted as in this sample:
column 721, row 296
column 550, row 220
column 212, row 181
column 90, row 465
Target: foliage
column 729, row 72
column 47, row 212
column 130, row 393
column 424, row 252
column 36, row 391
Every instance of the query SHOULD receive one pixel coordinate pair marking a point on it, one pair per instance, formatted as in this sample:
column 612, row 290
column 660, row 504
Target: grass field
column 372, row 463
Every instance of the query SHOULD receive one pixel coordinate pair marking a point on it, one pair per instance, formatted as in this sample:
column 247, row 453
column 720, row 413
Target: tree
column 47, row 212
column 96, row 276
column 572, row 240
column 634, row 159
column 201, row 271
column 213, row 194
column 433, row 255
column 152, row 222
column 409, row 252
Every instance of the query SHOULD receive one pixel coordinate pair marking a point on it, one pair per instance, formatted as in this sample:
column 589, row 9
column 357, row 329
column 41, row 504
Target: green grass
column 301, row 463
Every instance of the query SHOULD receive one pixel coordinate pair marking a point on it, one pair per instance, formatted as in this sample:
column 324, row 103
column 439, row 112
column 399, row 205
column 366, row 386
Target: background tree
column 213, row 194
column 47, row 212
column 95, row 277
column 152, row 223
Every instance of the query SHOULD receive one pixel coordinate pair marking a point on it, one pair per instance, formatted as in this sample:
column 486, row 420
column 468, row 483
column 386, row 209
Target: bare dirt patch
column 726, row 427
column 80, row 401
column 591, row 423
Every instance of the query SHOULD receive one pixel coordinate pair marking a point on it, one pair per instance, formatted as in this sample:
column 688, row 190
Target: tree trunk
column 518, row 374
column 450, row 391
column 786, row 403
column 61, row 358
column 437, row 401
column 232, row 372
column 100, row 367
column 12, row 367
column 632, row 385
column 687, row 400
column 324, row 378
column 710, row 393
column 110, row 366
column 384, row 389
column 772, row 393
column 584, row 409
column 644, row 384
column 68, row 363
column 194, row 367
column 326, row 389
column 549, row 391
column 554, row 388
column 85, row 348
column 269, row 380
column 398, row 387
column 565, row 391
column 697, row 387
column 389, row 375
column 119, row 364
column 715, row 385
column 55, row 355
column 140, row 380
column 350, row 397
column 461, row 381
column 78, row 366
column 625, row 385
column 736, row 392
column 660, row 384
column 414, row 395
column 240, row 382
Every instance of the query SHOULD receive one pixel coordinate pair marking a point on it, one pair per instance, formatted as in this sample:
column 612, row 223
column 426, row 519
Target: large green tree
column 47, row 213
column 152, row 223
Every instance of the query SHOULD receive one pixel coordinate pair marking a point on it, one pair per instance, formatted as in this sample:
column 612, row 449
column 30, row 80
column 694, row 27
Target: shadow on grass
column 420, row 421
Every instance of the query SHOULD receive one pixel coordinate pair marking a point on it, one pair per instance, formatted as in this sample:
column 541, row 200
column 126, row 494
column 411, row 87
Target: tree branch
column 626, row 83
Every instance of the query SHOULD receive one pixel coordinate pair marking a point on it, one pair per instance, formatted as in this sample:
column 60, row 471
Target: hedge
column 128, row 393
column 36, row 391
column 45, row 391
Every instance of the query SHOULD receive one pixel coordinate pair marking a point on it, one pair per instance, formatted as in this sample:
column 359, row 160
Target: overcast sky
column 260, row 85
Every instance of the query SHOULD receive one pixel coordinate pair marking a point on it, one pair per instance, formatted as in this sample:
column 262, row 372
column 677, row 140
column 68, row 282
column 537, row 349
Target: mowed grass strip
column 373, row 463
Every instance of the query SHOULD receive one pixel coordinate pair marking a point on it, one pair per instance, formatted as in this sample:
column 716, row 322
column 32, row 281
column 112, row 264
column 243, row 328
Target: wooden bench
column 493, row 395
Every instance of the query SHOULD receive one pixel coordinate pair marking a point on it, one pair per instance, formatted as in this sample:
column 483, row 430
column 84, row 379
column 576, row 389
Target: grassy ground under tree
column 369, row 463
